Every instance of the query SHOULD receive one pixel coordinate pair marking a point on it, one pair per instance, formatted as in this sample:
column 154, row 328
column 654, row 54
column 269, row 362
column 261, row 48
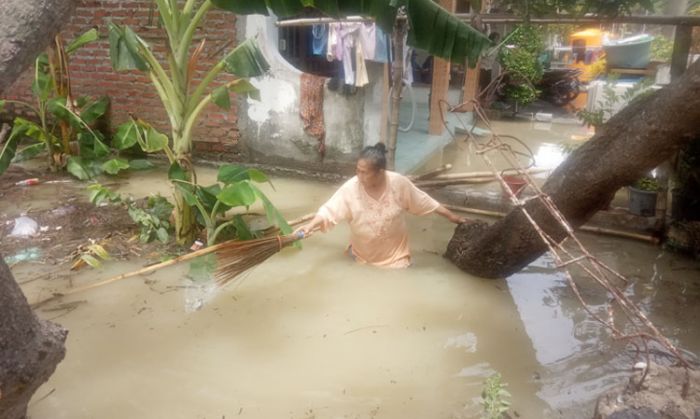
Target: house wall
column 132, row 92
column 272, row 129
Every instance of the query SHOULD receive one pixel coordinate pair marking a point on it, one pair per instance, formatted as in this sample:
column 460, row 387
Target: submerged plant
column 183, row 99
column 495, row 399
column 235, row 189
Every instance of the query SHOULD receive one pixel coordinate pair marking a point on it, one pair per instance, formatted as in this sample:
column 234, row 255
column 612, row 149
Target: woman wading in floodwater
column 373, row 203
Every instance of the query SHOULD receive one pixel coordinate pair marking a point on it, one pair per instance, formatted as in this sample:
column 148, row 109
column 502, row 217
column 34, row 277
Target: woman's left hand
column 460, row 220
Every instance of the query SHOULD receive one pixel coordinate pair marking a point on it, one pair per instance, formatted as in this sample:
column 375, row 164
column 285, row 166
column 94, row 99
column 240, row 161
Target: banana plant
column 62, row 124
column 183, row 99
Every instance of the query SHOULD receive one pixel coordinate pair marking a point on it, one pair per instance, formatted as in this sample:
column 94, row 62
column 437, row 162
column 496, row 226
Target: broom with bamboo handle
column 221, row 247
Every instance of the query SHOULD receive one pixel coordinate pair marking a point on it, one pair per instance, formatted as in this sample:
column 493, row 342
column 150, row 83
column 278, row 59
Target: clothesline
column 321, row 20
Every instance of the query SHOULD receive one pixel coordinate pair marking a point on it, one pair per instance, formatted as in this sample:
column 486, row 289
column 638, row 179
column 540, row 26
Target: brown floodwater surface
column 310, row 334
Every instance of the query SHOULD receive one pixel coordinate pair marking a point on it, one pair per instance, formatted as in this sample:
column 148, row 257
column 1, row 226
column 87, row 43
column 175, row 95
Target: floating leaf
column 91, row 260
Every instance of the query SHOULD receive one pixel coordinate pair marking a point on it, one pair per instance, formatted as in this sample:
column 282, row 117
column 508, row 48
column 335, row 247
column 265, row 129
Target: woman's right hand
column 306, row 229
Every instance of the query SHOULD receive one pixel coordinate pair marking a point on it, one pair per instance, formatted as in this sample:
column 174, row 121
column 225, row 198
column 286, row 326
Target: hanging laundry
column 347, row 45
column 334, row 49
column 381, row 48
column 361, row 78
column 319, row 39
column 311, row 108
column 349, row 34
column 368, row 40
column 407, row 65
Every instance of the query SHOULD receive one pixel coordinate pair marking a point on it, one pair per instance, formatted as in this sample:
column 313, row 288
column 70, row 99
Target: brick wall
column 132, row 92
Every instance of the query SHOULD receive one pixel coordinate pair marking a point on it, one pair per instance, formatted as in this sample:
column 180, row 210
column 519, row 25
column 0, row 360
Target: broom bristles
column 239, row 257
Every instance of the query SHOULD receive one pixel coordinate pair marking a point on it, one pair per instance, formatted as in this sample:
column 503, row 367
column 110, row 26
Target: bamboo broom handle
column 142, row 271
column 152, row 268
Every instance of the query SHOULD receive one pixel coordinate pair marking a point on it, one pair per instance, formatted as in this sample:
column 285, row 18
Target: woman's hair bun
column 380, row 147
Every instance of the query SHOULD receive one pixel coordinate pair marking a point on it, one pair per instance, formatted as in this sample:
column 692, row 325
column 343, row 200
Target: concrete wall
column 272, row 129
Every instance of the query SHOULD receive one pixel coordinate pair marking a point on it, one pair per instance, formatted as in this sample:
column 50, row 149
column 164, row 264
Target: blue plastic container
column 631, row 52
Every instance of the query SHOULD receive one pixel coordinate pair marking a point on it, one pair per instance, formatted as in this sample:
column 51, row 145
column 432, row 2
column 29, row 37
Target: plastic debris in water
column 28, row 182
column 25, row 255
column 640, row 365
column 24, row 227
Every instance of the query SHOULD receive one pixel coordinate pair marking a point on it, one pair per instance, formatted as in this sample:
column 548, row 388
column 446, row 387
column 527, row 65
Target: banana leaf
column 8, row 149
column 123, row 49
column 83, row 39
column 246, row 60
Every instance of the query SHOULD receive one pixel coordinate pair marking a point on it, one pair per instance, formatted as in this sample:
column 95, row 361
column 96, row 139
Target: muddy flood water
column 310, row 334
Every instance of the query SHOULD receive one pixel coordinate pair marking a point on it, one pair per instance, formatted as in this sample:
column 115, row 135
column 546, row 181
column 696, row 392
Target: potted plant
column 642, row 197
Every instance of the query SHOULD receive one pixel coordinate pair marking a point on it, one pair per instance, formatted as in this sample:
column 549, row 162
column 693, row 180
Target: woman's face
column 367, row 174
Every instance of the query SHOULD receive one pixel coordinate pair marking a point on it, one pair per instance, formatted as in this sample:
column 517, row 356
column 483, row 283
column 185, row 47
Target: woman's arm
column 316, row 223
column 454, row 218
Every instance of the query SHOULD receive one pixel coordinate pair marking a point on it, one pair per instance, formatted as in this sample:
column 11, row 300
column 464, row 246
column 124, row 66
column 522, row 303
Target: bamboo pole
column 450, row 182
column 440, row 170
column 466, row 175
column 400, row 30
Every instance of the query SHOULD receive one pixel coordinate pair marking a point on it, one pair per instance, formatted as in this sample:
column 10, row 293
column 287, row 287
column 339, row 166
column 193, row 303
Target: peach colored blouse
column 378, row 233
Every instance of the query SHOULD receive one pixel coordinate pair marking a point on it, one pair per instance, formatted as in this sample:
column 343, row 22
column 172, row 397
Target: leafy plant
column 63, row 126
column 661, row 49
column 495, row 398
column 521, row 64
column 235, row 187
column 647, row 184
column 153, row 219
column 576, row 7
column 152, row 216
column 611, row 100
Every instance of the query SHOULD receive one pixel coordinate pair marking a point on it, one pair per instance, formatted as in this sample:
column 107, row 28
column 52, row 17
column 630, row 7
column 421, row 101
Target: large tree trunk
column 636, row 140
column 26, row 28
column 30, row 348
